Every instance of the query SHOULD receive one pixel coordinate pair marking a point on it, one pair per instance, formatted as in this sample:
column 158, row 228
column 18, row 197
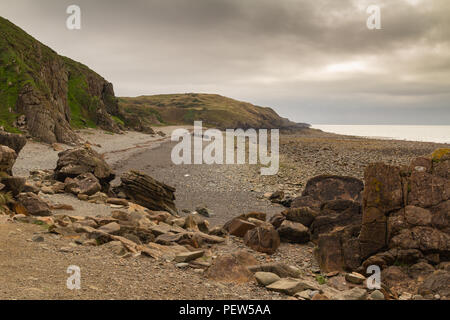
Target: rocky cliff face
column 47, row 95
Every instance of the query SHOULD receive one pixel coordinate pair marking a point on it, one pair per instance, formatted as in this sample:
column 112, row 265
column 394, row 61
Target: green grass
column 321, row 279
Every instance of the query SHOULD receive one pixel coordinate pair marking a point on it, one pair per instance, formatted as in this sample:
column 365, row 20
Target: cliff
column 46, row 95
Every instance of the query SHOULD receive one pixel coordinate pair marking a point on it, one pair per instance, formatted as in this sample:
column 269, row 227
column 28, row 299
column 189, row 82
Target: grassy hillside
column 51, row 86
column 214, row 110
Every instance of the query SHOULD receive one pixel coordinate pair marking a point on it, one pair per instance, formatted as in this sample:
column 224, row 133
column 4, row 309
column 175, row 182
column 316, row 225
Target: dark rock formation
column 148, row 192
column 52, row 93
column 7, row 159
column 327, row 187
column 13, row 141
column 73, row 162
column 263, row 239
column 34, row 205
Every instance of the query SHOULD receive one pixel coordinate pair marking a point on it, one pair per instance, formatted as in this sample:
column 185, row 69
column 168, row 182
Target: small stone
column 353, row 294
column 377, row 295
column 66, row 249
column 182, row 265
column 417, row 297
column 266, row 278
column 37, row 238
column 188, row 256
column 355, row 278
column 405, row 296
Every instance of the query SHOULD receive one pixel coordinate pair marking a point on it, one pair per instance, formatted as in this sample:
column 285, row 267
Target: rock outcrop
column 46, row 95
column 13, row 141
column 7, row 159
column 74, row 162
column 148, row 192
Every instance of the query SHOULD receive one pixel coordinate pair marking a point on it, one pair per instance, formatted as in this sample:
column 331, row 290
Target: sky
column 312, row 61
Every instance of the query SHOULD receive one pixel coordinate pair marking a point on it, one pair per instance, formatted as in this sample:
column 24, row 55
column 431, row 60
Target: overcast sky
column 312, row 61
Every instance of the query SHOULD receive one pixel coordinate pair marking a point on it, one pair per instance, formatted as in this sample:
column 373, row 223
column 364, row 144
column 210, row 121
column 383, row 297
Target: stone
column 293, row 232
column 376, row 295
column 336, row 213
column 116, row 247
column 352, row 294
column 394, row 275
column 148, row 192
column 13, row 141
column 277, row 219
column 37, row 238
column 34, row 205
column 263, row 239
column 188, row 256
column 383, row 193
column 117, row 201
column 266, row 278
column 420, row 270
column 110, row 228
column 291, row 286
column 355, row 278
column 7, row 159
column 85, row 183
column 98, row 197
column 303, row 215
column 427, row 190
column 436, row 283
column 280, row 269
column 329, row 187
column 239, row 227
column 74, row 162
column 417, row 216
column 203, row 211
column 231, row 268
column 15, row 185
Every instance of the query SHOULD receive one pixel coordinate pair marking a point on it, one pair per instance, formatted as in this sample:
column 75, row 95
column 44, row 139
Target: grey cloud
column 273, row 53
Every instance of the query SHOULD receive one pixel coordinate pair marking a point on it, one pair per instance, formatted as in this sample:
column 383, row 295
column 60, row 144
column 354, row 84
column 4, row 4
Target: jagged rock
column 188, row 256
column 13, row 184
column 355, row 278
column 303, row 215
column 291, row 286
column 231, row 268
column 328, row 187
column 436, row 283
column 280, row 269
column 263, row 239
column 82, row 160
column 339, row 249
column 7, row 159
column 34, row 205
column 117, row 201
column 266, row 278
column 336, row 213
column 13, row 141
column 382, row 195
column 148, row 192
column 111, row 228
column 293, row 232
column 420, row 270
column 239, row 227
column 352, row 294
column 85, row 183
column 277, row 219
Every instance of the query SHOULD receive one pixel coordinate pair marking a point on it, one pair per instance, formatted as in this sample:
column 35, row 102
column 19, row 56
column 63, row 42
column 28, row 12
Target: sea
column 425, row 133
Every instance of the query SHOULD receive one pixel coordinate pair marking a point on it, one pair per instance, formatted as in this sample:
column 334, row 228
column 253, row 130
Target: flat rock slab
column 292, row 286
column 266, row 278
column 188, row 256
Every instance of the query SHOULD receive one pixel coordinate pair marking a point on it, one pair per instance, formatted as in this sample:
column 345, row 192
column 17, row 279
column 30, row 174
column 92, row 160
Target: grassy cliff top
column 214, row 110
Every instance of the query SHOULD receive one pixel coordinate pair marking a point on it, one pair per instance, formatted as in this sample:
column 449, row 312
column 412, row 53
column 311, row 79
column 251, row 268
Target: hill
column 46, row 95
column 214, row 110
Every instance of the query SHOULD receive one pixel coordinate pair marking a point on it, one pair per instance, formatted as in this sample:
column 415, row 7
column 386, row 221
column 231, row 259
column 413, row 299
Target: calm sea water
column 399, row 132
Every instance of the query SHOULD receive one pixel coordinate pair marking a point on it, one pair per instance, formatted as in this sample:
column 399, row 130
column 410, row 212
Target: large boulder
column 263, row 239
column 436, row 283
column 13, row 141
column 34, row 205
column 383, row 194
column 231, row 268
column 73, row 162
column 303, row 215
column 148, row 192
column 336, row 213
column 85, row 183
column 329, row 187
column 15, row 185
column 293, row 232
column 7, row 159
